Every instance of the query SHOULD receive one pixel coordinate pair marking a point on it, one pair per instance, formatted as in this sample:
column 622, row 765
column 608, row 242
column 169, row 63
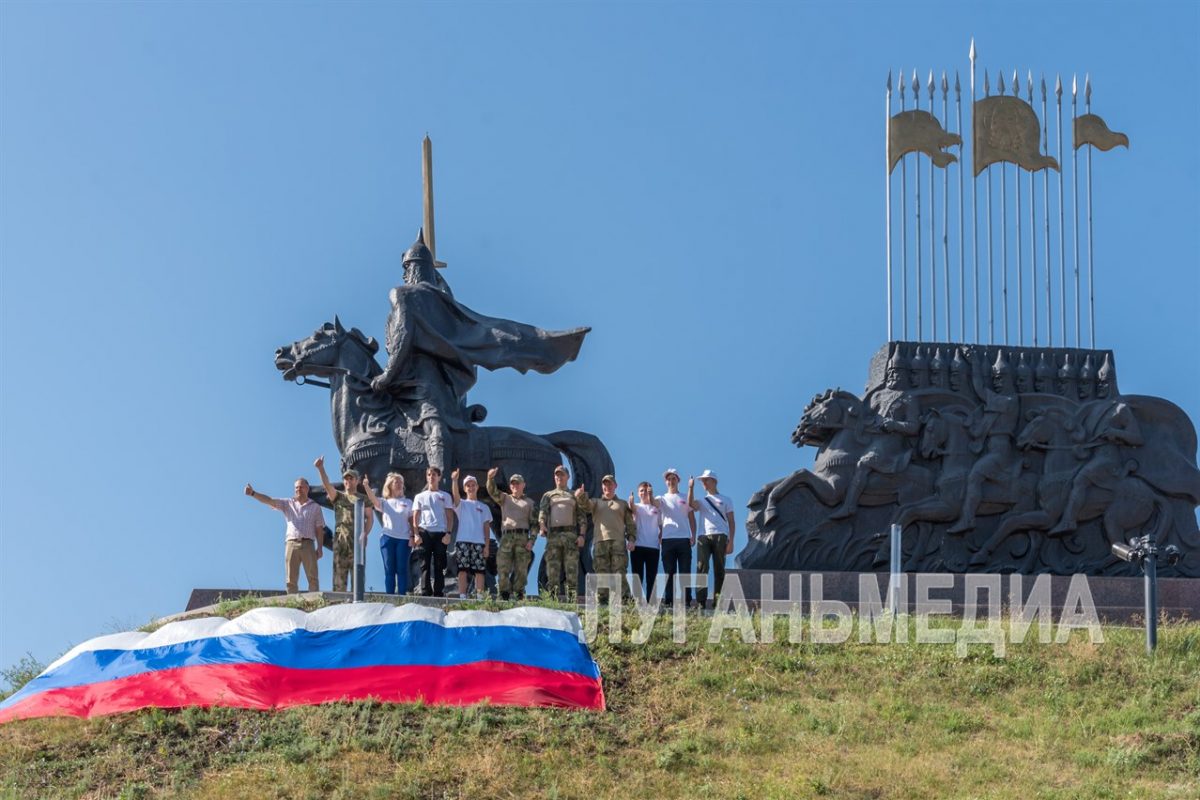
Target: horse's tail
column 590, row 460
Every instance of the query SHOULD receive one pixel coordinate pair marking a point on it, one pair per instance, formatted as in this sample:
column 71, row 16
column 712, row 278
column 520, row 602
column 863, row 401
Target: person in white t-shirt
column 643, row 559
column 395, row 518
column 471, row 548
column 432, row 519
column 678, row 535
column 716, row 540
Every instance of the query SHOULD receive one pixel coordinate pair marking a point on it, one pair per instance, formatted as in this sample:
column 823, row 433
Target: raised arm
column 454, row 490
column 330, row 492
column 691, row 499
column 262, row 498
column 371, row 498
column 493, row 490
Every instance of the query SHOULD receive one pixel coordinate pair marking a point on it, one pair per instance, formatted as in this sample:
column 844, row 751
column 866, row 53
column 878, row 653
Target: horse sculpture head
column 1042, row 427
column 320, row 355
column 825, row 413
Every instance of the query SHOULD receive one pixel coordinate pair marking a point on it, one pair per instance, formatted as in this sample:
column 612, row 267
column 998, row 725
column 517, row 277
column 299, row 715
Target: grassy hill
column 697, row 720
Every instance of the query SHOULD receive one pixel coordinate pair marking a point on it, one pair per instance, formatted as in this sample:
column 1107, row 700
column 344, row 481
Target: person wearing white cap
column 474, row 534
column 678, row 535
column 716, row 511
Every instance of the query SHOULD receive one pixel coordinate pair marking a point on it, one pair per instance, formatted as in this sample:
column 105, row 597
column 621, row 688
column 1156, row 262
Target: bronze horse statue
column 375, row 435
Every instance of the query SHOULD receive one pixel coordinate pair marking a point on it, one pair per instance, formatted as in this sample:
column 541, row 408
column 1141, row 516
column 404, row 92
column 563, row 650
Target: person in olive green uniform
column 614, row 533
column 343, row 512
column 562, row 521
column 518, row 517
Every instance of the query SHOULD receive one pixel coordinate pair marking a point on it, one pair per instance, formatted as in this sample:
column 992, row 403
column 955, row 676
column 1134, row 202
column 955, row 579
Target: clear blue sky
column 186, row 187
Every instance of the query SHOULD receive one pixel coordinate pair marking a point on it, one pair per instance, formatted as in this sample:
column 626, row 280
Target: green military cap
column 350, row 473
column 562, row 469
column 517, row 478
column 608, row 478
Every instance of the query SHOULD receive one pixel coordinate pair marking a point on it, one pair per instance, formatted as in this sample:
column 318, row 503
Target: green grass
column 696, row 720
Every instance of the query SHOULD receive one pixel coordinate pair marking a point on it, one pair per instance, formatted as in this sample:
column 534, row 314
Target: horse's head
column 320, row 355
column 936, row 431
column 933, row 435
column 1041, row 428
column 826, row 412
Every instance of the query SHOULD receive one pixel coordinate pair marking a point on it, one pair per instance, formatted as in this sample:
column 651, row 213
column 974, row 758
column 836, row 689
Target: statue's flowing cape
column 462, row 339
column 277, row 657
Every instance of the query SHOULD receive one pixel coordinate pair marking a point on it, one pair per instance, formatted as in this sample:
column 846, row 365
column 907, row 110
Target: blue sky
column 186, row 187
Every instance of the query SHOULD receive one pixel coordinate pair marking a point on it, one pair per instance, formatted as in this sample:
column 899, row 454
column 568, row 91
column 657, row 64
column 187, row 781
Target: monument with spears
column 992, row 432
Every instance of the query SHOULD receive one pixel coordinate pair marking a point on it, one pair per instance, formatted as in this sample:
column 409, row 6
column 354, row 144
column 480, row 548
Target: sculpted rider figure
column 436, row 344
column 897, row 417
column 998, row 422
column 1107, row 425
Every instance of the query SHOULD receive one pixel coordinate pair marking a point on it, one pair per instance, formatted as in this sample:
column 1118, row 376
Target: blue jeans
column 395, row 564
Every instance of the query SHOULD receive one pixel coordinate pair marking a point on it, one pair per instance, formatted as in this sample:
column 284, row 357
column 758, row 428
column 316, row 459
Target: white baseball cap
column 671, row 471
column 470, row 479
column 708, row 473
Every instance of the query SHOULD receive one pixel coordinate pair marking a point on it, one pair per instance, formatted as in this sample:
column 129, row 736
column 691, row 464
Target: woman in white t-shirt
column 474, row 534
column 395, row 514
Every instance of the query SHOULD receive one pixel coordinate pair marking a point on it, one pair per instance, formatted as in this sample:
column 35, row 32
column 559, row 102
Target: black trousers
column 432, row 557
column 643, row 561
column 676, row 559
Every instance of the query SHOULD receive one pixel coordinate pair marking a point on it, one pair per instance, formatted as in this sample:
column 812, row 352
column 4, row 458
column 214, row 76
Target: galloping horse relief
column 991, row 458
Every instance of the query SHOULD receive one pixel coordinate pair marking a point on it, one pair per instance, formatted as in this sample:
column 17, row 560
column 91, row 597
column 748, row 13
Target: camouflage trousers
column 611, row 558
column 343, row 560
column 562, row 560
column 512, row 562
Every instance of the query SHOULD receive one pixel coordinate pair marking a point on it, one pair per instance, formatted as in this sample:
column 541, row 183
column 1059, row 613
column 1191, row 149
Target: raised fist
column 320, row 462
column 249, row 490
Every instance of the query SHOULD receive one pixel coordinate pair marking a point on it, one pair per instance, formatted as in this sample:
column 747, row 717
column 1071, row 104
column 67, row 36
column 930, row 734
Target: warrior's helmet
column 896, row 376
column 1024, row 374
column 1043, row 376
column 1104, row 377
column 1002, row 374
column 1087, row 374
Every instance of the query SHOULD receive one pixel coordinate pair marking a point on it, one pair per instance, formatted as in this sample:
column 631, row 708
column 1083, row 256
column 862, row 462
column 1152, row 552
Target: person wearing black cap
column 343, row 512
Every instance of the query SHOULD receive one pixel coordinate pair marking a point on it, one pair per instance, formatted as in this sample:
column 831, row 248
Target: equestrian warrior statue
column 435, row 345
column 896, row 417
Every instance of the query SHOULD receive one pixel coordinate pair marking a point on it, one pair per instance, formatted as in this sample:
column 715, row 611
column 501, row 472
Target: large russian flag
column 279, row 657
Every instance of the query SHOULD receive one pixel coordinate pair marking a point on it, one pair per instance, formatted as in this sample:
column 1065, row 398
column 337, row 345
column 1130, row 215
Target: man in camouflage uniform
column 615, row 533
column 343, row 511
column 562, row 521
column 517, row 518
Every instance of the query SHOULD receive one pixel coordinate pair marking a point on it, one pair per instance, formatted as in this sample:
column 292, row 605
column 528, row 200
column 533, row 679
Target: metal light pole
column 1143, row 551
column 359, row 574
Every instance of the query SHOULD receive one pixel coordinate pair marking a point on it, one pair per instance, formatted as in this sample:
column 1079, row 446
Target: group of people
column 636, row 532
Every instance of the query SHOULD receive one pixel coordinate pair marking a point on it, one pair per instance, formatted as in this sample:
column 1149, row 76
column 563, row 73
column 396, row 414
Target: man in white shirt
column 716, row 541
column 432, row 519
column 302, row 538
column 678, row 535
